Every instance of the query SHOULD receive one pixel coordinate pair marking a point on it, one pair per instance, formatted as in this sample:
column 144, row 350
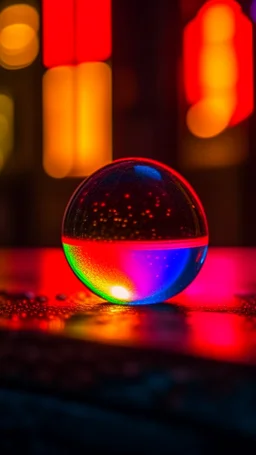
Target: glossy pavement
column 213, row 318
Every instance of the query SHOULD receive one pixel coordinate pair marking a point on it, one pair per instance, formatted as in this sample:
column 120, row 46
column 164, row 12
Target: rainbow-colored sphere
column 135, row 232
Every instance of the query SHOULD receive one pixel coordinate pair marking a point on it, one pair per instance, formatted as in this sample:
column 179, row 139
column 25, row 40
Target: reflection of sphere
column 135, row 231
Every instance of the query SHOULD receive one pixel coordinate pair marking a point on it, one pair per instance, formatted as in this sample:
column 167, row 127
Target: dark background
column 148, row 120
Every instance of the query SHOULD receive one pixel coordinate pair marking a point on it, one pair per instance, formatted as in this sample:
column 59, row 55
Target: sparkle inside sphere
column 135, row 232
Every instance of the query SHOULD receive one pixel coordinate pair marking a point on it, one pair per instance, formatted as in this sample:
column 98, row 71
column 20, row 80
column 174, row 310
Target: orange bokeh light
column 223, row 15
column 77, row 119
column 218, row 69
column 19, row 43
column 6, row 127
column 210, row 116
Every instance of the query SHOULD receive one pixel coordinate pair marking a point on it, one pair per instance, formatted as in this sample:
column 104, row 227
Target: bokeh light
column 210, row 116
column 6, row 127
column 19, row 43
column 218, row 68
column 223, row 15
column 77, row 119
column 58, row 108
column 94, row 122
column 76, row 31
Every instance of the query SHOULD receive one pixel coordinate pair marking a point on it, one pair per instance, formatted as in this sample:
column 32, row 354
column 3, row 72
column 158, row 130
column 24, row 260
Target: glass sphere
column 135, row 232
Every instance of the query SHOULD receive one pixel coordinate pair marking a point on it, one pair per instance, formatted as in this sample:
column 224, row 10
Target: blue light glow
column 148, row 171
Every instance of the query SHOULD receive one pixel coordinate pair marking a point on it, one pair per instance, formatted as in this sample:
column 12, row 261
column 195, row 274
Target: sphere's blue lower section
column 173, row 270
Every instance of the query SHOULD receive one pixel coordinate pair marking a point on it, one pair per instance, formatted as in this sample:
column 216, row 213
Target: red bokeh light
column 76, row 31
column 240, row 44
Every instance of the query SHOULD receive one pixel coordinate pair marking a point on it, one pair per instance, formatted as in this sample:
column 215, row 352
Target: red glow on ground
column 215, row 286
column 217, row 335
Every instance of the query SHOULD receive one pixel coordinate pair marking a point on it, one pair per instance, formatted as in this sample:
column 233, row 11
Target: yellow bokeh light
column 12, row 61
column 19, row 43
column 1, row 160
column 94, row 122
column 58, row 114
column 210, row 116
column 218, row 24
column 218, row 68
column 13, row 35
column 20, row 14
column 77, row 119
column 6, row 128
column 120, row 292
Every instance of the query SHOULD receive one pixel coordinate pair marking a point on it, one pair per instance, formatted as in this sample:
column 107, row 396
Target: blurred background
column 84, row 82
